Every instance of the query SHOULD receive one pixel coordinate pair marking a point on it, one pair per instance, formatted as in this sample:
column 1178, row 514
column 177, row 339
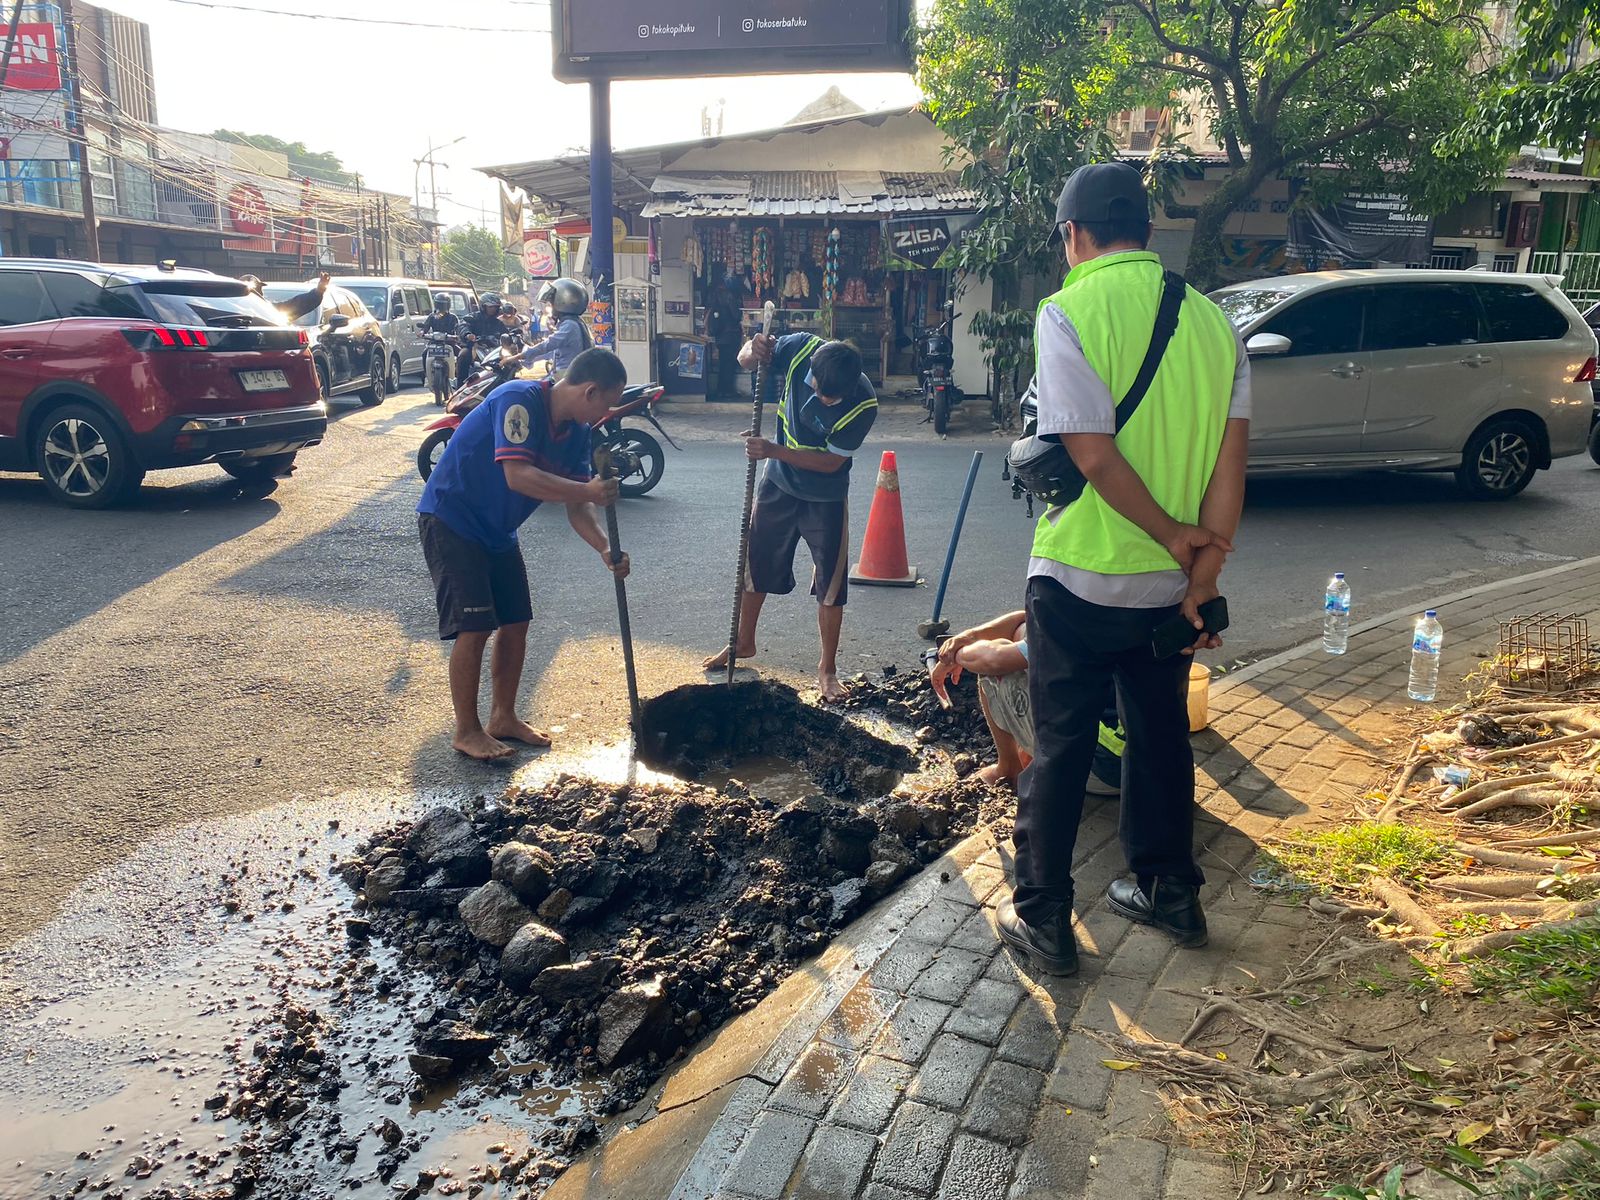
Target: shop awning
column 807, row 193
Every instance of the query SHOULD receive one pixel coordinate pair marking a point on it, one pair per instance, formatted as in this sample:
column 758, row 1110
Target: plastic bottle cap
column 1338, row 574
column 1430, row 613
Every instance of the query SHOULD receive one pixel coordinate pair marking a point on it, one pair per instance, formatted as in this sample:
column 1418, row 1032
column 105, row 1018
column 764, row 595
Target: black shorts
column 776, row 527
column 477, row 589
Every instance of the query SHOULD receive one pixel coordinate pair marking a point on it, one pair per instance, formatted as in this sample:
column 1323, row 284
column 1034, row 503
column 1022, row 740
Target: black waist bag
column 1042, row 464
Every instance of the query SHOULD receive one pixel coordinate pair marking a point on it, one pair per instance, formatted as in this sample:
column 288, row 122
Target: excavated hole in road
column 602, row 929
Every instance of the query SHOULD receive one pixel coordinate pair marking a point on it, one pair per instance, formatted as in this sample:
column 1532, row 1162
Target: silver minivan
column 1483, row 374
column 401, row 305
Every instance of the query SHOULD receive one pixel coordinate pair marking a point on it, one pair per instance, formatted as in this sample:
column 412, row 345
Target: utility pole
column 433, row 190
column 601, row 261
column 361, row 228
column 75, row 128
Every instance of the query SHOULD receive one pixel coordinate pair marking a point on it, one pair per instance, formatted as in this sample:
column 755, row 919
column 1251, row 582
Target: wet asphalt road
column 211, row 650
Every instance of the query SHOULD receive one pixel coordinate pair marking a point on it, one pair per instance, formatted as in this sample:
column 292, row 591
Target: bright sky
column 376, row 94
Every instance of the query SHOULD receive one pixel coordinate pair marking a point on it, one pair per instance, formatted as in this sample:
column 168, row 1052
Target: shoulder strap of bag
column 1172, row 293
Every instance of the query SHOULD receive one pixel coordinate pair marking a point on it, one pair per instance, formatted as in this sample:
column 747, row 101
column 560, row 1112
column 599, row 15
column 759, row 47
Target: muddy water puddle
column 125, row 1022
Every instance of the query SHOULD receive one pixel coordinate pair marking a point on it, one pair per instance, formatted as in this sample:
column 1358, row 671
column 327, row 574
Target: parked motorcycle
column 637, row 457
column 499, row 365
column 936, row 352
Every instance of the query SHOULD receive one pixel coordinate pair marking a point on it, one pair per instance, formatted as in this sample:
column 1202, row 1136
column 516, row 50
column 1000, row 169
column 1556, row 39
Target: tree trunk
column 1204, row 267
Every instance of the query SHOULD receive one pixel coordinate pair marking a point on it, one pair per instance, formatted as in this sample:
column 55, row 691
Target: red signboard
column 35, row 59
column 247, row 210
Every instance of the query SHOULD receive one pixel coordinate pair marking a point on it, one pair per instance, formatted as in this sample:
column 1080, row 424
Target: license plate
column 264, row 381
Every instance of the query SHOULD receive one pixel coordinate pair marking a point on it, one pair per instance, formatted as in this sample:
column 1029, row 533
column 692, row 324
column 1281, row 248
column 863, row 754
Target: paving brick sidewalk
column 949, row 1068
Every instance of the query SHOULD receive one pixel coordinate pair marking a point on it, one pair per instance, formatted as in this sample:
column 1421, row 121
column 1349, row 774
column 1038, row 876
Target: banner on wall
column 1362, row 227
column 920, row 242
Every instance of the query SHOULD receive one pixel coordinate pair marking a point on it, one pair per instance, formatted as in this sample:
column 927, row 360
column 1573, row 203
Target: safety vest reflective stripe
column 854, row 413
column 784, row 435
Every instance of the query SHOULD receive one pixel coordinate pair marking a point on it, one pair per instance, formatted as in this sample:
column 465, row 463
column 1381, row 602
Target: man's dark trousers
column 1074, row 649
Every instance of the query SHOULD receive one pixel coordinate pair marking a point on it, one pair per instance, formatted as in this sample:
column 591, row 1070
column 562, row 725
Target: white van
column 401, row 305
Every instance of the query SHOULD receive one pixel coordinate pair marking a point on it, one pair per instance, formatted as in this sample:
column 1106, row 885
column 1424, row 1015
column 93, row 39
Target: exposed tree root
column 1283, row 1090
column 1490, row 787
column 1490, row 942
column 1525, row 797
column 1491, row 857
column 1578, row 838
column 1542, row 911
column 1268, row 1028
column 1491, row 885
column 1404, row 906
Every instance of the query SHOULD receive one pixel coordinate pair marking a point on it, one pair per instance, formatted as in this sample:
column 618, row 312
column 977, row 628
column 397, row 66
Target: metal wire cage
column 1542, row 653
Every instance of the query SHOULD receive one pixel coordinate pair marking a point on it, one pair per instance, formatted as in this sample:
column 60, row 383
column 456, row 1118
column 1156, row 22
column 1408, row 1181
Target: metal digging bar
column 604, row 468
column 763, row 382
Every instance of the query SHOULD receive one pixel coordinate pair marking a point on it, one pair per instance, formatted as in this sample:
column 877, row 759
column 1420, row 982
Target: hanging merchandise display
column 830, row 280
column 694, row 254
column 761, row 261
column 796, row 286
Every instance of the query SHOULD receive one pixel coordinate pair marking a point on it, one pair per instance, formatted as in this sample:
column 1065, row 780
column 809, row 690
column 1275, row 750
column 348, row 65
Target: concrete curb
column 1262, row 666
column 730, row 1077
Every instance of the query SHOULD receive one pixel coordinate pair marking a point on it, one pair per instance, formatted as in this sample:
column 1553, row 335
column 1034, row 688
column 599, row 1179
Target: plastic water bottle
column 1426, row 642
column 1336, row 615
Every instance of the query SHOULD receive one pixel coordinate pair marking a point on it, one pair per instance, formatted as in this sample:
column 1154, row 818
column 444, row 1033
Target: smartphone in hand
column 1178, row 634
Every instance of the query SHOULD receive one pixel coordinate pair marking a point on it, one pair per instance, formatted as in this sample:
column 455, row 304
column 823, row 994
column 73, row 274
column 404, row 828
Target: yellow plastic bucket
column 1199, row 697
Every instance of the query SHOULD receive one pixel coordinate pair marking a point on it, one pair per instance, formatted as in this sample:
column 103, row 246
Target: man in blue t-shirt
column 527, row 443
column 825, row 411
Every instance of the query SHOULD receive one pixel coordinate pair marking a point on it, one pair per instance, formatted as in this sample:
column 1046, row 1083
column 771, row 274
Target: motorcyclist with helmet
column 568, row 301
column 482, row 326
column 441, row 319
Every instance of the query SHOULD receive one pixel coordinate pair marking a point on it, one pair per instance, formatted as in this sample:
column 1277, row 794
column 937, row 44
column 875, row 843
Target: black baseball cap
column 1102, row 192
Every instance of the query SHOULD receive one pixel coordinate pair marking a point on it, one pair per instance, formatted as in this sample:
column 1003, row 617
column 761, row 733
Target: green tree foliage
column 313, row 164
column 1545, row 92
column 1350, row 94
column 1023, row 90
column 473, row 253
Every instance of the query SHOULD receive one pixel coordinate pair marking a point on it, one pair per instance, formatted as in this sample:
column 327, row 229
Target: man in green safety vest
column 1155, row 419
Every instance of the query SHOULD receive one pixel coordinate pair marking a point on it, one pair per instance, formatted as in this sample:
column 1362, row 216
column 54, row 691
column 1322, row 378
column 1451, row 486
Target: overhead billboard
column 666, row 39
column 35, row 58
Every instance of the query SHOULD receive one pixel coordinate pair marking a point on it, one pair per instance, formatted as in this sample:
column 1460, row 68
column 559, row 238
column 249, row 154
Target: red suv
column 109, row 371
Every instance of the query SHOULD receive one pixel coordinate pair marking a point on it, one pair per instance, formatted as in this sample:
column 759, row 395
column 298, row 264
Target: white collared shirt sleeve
column 1072, row 396
column 1239, row 404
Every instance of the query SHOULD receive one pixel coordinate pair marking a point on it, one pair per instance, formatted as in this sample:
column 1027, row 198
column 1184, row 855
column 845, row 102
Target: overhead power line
column 305, row 16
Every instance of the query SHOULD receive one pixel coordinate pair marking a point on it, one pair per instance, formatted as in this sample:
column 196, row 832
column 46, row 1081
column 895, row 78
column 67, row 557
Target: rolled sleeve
column 1240, row 402
column 1072, row 396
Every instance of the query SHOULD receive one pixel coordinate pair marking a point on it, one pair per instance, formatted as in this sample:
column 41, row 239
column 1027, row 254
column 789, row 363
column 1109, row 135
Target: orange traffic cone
column 883, row 550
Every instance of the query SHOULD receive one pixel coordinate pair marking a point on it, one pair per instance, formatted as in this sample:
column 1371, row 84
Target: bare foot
column 994, row 776
column 719, row 660
column 481, row 746
column 517, row 730
column 832, row 690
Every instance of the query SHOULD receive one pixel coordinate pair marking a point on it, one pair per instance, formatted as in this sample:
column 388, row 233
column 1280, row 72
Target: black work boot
column 1050, row 945
column 1173, row 908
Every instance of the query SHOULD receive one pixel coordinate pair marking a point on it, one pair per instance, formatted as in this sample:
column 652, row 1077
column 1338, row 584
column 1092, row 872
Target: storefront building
column 842, row 224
